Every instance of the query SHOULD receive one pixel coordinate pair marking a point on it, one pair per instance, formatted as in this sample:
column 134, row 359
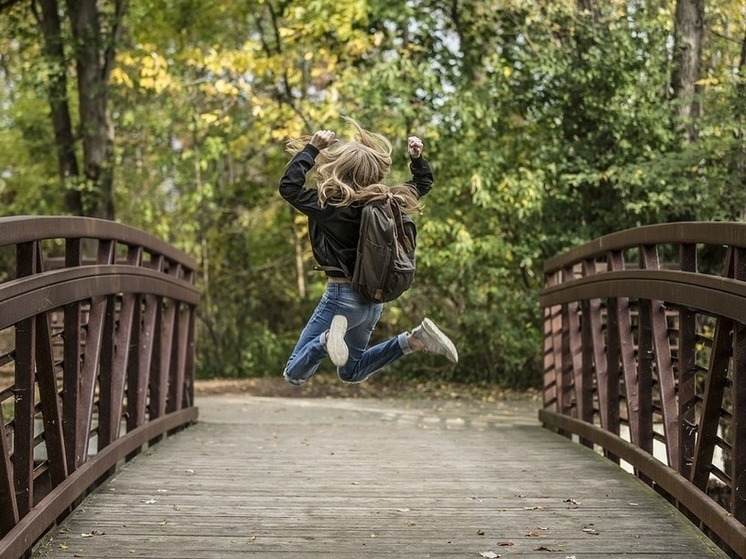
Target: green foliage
column 545, row 127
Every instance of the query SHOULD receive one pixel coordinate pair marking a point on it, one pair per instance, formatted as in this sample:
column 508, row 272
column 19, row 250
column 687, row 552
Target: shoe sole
column 445, row 341
column 335, row 343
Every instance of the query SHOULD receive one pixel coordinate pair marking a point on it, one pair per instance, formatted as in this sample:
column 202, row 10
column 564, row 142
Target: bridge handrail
column 645, row 355
column 97, row 323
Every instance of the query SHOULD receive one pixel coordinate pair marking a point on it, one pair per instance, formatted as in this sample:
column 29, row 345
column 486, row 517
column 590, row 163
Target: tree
column 687, row 55
column 546, row 123
column 81, row 33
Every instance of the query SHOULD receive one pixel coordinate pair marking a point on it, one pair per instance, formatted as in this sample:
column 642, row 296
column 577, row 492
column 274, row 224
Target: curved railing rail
column 96, row 360
column 645, row 357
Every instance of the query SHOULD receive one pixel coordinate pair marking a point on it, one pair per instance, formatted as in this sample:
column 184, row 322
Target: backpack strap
column 333, row 269
column 398, row 216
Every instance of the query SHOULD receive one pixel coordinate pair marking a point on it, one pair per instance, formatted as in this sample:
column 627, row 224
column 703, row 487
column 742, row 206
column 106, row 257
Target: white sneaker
column 435, row 341
column 335, row 341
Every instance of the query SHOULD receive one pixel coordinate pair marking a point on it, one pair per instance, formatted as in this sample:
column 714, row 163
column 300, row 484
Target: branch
column 724, row 36
column 7, row 4
column 116, row 31
column 285, row 96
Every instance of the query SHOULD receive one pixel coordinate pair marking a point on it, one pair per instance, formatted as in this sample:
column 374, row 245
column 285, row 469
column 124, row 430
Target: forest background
column 547, row 123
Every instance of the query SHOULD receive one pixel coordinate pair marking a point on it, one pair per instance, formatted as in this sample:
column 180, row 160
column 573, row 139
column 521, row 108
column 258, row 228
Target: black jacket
column 333, row 230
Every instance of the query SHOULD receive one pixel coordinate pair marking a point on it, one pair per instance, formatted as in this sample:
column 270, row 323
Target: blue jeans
column 362, row 318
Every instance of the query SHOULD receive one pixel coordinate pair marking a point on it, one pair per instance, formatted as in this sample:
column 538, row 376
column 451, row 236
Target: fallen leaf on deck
column 480, row 532
column 590, row 531
column 544, row 548
column 506, row 544
column 149, row 501
column 570, row 501
column 533, row 534
column 91, row 534
column 489, row 554
column 537, row 507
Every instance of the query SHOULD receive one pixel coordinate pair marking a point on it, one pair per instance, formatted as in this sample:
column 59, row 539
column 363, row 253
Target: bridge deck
column 361, row 478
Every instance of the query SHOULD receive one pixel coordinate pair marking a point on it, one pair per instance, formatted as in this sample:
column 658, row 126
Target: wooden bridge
column 644, row 363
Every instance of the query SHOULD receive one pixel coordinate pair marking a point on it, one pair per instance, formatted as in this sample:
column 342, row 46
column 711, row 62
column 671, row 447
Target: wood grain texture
column 274, row 477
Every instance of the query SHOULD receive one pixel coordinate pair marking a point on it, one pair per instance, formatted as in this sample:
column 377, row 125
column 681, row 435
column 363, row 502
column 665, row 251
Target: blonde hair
column 349, row 172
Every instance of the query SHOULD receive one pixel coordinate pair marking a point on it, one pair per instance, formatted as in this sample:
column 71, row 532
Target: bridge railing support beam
column 645, row 359
column 96, row 360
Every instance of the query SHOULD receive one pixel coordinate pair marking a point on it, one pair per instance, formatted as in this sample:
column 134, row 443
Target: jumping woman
column 347, row 175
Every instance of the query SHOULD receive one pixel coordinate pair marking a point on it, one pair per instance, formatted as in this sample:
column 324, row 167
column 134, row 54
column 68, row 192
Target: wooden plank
column 607, row 388
column 89, row 376
column 686, row 370
column 738, row 396
column 663, row 365
column 274, row 477
column 24, row 390
column 49, row 399
column 8, row 503
column 551, row 366
column 713, row 401
column 620, row 334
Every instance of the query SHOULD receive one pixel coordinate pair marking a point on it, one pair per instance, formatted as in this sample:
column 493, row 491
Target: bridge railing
column 96, row 360
column 645, row 358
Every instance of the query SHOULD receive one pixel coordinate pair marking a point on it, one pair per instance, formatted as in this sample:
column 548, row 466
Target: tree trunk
column 92, row 69
column 737, row 180
column 472, row 50
column 49, row 21
column 300, row 272
column 687, row 57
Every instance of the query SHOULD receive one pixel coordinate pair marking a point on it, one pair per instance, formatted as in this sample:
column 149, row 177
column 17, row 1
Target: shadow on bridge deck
column 275, row 477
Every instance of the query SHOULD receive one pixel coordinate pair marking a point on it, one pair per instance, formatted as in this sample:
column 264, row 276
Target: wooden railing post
column 25, row 369
column 738, row 397
column 687, row 367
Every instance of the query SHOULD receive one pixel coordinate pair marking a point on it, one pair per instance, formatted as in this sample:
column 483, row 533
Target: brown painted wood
column 17, row 230
column 24, row 391
column 95, row 305
column 738, row 397
column 620, row 327
column 711, row 406
column 342, row 479
column 71, row 360
column 686, row 370
column 49, row 400
column 8, row 503
column 706, row 233
column 663, row 364
column 657, row 354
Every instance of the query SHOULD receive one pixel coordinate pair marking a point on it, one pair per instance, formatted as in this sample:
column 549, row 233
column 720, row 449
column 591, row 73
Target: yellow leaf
column 120, row 77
